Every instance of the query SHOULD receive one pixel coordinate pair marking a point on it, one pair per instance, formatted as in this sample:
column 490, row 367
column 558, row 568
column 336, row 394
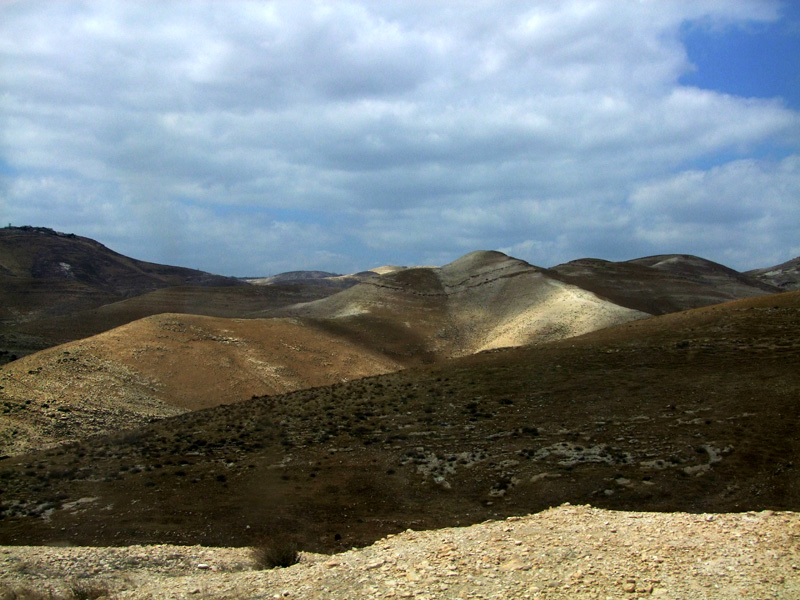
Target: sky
column 252, row 138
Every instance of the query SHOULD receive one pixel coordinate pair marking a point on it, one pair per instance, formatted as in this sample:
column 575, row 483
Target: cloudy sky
column 250, row 138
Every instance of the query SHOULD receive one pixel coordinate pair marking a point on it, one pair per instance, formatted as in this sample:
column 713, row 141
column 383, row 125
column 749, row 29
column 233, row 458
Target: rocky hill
column 481, row 301
column 38, row 253
column 243, row 301
column 785, row 275
column 44, row 273
column 165, row 365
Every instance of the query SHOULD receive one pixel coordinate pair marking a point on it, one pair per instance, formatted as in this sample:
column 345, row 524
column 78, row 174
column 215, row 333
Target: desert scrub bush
column 25, row 593
column 85, row 590
column 74, row 591
column 276, row 551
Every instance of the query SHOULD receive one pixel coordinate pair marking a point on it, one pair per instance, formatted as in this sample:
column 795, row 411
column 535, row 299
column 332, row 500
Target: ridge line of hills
column 99, row 361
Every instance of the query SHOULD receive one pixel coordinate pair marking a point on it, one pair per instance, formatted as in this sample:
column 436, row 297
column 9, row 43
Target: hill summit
column 483, row 300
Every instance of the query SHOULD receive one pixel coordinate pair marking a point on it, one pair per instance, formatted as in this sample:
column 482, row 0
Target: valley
column 339, row 411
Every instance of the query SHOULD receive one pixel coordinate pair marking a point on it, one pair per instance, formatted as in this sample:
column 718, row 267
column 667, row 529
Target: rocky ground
column 566, row 552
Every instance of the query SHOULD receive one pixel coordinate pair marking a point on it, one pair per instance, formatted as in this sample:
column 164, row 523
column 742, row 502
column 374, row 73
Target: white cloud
column 374, row 131
column 748, row 202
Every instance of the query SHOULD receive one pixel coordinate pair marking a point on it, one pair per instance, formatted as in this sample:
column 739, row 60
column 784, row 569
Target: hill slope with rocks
column 663, row 284
column 785, row 275
column 165, row 365
column 693, row 411
column 45, row 273
column 34, row 256
column 244, row 301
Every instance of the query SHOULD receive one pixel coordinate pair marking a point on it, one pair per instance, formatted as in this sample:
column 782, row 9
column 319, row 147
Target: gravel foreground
column 565, row 552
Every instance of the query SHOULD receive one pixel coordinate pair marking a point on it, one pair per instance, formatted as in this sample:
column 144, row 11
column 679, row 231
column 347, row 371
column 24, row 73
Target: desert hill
column 57, row 287
column 148, row 368
column 662, row 284
column 243, row 301
column 707, row 272
column 693, row 411
column 31, row 256
column 785, row 275
column 481, row 301
column 165, row 365
column 45, row 274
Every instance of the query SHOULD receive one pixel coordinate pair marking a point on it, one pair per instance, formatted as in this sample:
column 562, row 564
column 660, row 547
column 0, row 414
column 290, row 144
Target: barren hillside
column 244, row 301
column 32, row 259
column 162, row 366
column 481, row 301
column 662, row 284
column 694, row 411
column 46, row 274
column 786, row 275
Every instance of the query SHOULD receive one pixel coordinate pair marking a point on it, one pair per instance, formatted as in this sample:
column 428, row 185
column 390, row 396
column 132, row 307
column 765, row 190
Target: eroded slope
column 481, row 301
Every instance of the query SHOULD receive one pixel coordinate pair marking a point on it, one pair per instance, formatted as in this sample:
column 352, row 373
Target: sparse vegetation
column 76, row 590
column 491, row 435
column 87, row 590
column 277, row 551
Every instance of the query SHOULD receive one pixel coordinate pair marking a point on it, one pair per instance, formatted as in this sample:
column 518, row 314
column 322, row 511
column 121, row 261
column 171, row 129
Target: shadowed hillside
column 44, row 274
column 244, row 301
column 693, row 411
column 662, row 284
column 84, row 270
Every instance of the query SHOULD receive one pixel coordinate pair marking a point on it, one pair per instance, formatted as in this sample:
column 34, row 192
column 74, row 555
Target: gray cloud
column 344, row 134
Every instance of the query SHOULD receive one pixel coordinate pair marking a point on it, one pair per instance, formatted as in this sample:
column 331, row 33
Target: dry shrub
column 276, row 551
column 78, row 590
column 85, row 590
